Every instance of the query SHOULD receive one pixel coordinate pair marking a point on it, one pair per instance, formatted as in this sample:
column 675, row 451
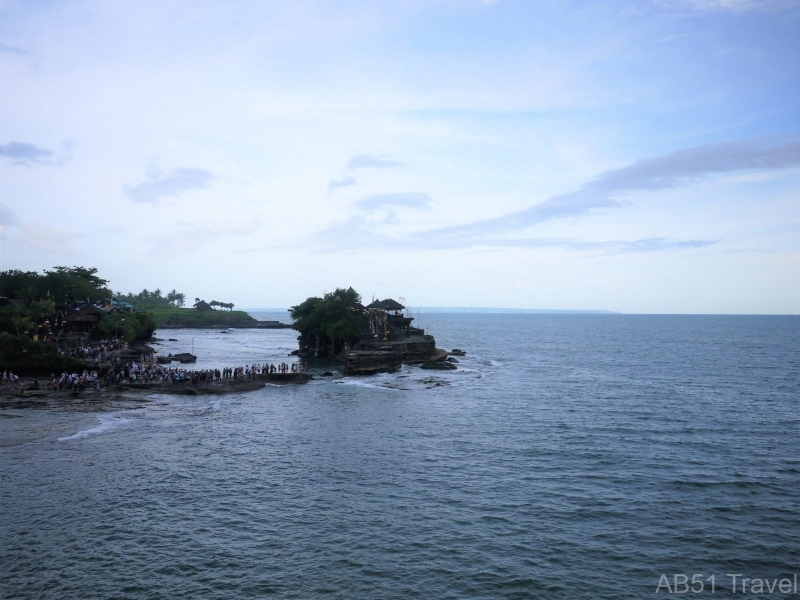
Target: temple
column 388, row 340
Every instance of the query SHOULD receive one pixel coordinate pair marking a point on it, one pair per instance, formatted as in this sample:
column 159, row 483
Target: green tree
column 330, row 323
column 68, row 284
column 201, row 305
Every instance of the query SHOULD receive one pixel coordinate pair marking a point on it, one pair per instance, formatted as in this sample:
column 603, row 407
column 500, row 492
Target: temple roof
column 79, row 317
column 88, row 309
column 387, row 304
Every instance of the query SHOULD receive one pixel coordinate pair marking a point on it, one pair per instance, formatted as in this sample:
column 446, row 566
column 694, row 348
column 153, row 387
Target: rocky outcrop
column 184, row 357
column 369, row 362
column 439, row 365
column 285, row 377
column 271, row 325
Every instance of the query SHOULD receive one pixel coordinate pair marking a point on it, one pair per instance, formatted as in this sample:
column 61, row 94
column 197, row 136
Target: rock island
column 377, row 338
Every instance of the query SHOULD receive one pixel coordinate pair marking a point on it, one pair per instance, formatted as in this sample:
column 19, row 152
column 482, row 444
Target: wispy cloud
column 752, row 177
column 358, row 234
column 35, row 236
column 664, row 172
column 334, row 185
column 48, row 239
column 606, row 190
column 8, row 218
column 23, row 153
column 402, row 200
column 13, row 50
column 674, row 36
column 158, row 185
column 191, row 237
column 654, row 244
column 732, row 6
column 366, row 161
column 29, row 155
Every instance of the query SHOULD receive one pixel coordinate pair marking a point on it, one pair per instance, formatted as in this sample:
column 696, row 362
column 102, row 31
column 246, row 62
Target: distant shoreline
column 475, row 309
column 189, row 318
column 257, row 325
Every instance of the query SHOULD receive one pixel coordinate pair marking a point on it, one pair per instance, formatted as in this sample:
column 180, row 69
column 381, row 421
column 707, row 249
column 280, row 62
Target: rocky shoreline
column 182, row 324
column 23, row 395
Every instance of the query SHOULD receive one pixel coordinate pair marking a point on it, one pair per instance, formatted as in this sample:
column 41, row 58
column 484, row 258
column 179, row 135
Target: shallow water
column 570, row 456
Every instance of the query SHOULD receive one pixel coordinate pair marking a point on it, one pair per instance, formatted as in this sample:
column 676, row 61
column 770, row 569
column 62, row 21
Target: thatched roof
column 387, row 304
column 80, row 317
column 88, row 309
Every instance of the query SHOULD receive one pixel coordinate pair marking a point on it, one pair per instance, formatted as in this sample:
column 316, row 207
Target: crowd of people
column 102, row 351
column 9, row 377
column 148, row 371
column 145, row 371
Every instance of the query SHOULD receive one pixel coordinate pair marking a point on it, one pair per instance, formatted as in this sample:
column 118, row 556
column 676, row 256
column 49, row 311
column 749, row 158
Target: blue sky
column 631, row 156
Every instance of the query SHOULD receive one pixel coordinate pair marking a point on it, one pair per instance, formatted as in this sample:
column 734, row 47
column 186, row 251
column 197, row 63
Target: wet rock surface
column 439, row 366
column 369, row 362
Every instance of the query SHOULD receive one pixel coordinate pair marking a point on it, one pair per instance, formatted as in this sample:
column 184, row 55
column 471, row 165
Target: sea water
column 569, row 456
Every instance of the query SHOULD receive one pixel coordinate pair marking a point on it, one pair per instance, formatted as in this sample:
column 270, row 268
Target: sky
column 641, row 157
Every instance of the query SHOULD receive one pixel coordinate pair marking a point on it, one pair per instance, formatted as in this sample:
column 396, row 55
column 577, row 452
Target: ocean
column 569, row 456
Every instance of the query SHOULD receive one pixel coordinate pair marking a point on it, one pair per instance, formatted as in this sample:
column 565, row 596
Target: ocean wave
column 107, row 423
column 383, row 384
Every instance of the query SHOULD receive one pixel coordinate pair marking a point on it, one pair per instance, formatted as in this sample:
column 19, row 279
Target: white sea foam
column 375, row 382
column 107, row 423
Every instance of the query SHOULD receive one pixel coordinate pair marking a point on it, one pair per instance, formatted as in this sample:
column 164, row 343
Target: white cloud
column 27, row 154
column 48, row 239
column 8, row 218
column 733, row 6
column 334, row 185
column 663, row 172
column 366, row 161
column 401, row 200
column 191, row 237
column 158, row 185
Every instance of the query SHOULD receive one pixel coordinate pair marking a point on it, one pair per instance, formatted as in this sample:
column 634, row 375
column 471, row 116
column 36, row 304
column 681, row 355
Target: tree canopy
column 146, row 298
column 32, row 302
column 62, row 284
column 330, row 320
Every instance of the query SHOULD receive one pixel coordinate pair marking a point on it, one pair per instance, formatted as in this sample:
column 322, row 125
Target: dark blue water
column 569, row 457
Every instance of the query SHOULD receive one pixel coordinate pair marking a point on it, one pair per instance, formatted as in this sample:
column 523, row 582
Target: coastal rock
column 272, row 325
column 140, row 347
column 451, row 359
column 369, row 362
column 327, row 374
column 439, row 366
column 457, row 352
column 184, row 357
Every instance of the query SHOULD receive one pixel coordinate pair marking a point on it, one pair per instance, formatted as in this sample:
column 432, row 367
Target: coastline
column 213, row 325
column 190, row 318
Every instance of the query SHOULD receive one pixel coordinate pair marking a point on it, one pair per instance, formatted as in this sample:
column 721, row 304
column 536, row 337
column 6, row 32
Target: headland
column 170, row 317
column 378, row 338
